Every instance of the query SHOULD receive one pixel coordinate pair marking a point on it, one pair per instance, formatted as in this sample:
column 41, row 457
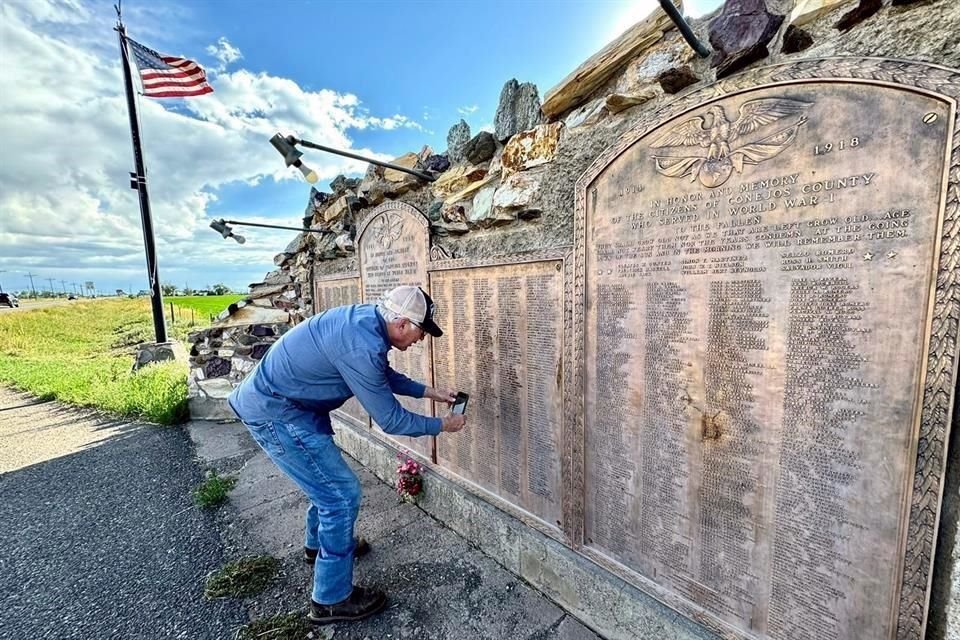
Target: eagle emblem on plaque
column 388, row 228
column 727, row 143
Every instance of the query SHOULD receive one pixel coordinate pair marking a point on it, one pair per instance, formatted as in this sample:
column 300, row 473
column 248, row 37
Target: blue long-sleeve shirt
column 320, row 364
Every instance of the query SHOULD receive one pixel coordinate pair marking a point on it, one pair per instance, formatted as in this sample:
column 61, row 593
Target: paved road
column 29, row 305
column 99, row 537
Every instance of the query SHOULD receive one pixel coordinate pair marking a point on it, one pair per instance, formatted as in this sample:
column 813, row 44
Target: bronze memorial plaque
column 759, row 274
column 330, row 292
column 503, row 345
column 335, row 292
column 393, row 243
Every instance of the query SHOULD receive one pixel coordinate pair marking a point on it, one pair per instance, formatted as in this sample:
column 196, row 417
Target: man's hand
column 440, row 396
column 453, row 423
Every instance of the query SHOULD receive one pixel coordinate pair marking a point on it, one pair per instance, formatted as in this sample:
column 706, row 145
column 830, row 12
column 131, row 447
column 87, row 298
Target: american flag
column 168, row 76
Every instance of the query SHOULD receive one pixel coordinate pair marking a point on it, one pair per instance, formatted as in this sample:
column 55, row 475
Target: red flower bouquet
column 409, row 478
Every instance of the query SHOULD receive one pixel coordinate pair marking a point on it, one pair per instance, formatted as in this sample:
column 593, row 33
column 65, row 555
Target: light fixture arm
column 291, row 141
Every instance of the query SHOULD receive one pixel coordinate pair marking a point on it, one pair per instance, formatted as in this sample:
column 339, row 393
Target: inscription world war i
column 393, row 244
column 759, row 279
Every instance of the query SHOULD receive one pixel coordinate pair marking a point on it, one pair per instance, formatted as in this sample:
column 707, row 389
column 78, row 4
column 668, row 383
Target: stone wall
column 221, row 355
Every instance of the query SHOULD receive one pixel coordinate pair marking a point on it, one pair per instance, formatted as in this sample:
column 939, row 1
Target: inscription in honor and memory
column 758, row 283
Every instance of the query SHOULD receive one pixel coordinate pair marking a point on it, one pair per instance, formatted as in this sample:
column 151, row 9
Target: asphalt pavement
column 99, row 538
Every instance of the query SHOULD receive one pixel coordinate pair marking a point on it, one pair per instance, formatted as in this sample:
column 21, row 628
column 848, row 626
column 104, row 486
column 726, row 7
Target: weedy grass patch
column 213, row 491
column 286, row 626
column 82, row 353
column 244, row 577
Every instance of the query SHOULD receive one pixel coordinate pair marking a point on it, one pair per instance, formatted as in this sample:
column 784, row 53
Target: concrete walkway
column 439, row 585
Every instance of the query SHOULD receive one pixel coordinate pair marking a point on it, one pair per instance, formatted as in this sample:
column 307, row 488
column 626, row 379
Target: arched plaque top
column 934, row 80
column 396, row 208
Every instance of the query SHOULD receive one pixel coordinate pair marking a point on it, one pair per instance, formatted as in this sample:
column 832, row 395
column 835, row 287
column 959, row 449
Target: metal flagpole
column 138, row 181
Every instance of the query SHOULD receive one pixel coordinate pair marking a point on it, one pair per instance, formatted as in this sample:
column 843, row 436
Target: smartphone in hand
column 460, row 404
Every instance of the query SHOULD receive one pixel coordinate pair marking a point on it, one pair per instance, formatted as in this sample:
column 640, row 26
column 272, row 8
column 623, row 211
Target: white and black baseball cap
column 414, row 304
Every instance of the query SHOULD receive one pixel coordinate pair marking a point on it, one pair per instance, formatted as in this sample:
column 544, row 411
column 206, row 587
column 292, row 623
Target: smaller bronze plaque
column 329, row 293
column 393, row 243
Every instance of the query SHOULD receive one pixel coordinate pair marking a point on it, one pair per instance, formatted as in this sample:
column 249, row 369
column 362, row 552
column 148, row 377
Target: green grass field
column 82, row 353
column 206, row 305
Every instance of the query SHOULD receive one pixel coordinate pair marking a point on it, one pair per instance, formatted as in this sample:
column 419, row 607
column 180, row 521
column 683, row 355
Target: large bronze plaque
column 759, row 275
column 393, row 243
column 329, row 293
column 503, row 344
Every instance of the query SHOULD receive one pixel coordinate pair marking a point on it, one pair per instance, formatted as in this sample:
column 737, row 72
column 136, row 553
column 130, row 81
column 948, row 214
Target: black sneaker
column 362, row 603
column 362, row 548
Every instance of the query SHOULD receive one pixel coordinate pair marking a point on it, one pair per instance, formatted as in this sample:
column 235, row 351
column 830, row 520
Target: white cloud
column 65, row 203
column 225, row 52
column 466, row 111
column 488, row 127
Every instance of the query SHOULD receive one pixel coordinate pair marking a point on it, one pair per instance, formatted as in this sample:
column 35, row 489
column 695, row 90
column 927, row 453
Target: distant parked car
column 9, row 299
column 71, row 297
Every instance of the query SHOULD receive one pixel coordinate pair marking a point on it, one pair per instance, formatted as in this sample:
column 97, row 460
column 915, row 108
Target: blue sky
column 380, row 78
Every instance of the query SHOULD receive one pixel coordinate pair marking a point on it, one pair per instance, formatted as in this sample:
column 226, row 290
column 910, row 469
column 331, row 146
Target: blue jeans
column 314, row 462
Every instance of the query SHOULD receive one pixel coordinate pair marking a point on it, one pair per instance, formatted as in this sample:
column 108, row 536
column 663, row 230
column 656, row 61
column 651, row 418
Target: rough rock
column 434, row 211
column 453, row 228
column 373, row 190
column 457, row 139
column 640, row 76
column 277, row 277
column 796, row 39
column 809, row 10
column 296, row 245
column 496, row 164
column 516, row 192
column 265, row 291
column 586, row 115
column 677, row 79
column 345, row 242
column 531, row 148
column 398, row 182
column 454, row 213
column 339, row 207
column 519, row 109
column 436, row 163
column 617, row 102
column 456, row 179
column 482, row 205
column 342, row 183
column 739, row 35
column 480, row 148
column 254, row 314
column 468, row 191
column 861, row 12
column 592, row 74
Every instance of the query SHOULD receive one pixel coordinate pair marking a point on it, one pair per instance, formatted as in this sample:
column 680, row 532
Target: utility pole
column 53, row 293
column 64, row 285
column 1, row 286
column 30, row 275
column 74, row 285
